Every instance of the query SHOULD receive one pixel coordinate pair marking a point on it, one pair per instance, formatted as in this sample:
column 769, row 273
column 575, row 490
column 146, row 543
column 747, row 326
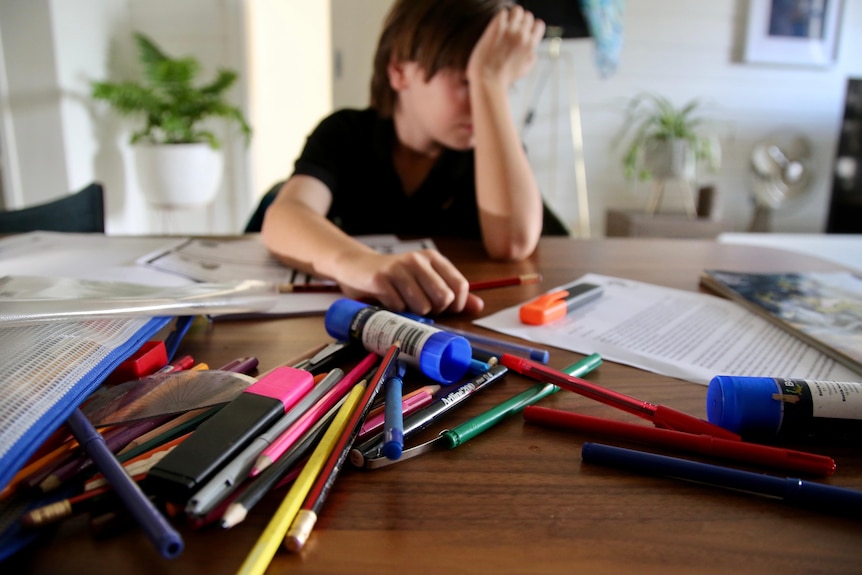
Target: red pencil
column 309, row 288
column 522, row 279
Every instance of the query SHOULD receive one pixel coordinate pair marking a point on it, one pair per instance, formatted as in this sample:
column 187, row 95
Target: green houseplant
column 664, row 141
column 177, row 156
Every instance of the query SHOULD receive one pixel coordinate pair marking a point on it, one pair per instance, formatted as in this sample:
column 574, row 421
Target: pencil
column 306, row 517
column 309, row 288
column 164, row 537
column 522, row 279
column 264, row 549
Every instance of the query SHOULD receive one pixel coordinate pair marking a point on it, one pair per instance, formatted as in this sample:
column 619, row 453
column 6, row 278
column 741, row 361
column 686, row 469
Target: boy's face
column 435, row 112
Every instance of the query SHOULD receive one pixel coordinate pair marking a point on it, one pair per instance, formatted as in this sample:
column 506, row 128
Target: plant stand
column 686, row 189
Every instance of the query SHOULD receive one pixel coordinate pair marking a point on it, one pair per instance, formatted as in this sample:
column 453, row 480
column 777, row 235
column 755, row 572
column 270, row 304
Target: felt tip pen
column 801, row 492
column 393, row 419
column 165, row 538
column 291, row 435
column 411, row 402
column 557, row 304
column 221, row 437
column 660, row 415
column 371, row 449
column 741, row 451
column 241, row 365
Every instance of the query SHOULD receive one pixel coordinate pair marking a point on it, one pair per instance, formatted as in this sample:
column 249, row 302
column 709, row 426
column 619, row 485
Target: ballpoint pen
column 660, row 415
column 817, row 496
column 393, row 419
column 458, row 435
column 369, row 453
column 743, row 451
column 541, row 355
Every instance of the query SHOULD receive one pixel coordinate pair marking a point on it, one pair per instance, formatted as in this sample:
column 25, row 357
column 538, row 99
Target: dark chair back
column 83, row 212
column 551, row 224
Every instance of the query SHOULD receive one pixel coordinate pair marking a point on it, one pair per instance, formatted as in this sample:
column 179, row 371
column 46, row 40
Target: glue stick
column 442, row 356
column 785, row 408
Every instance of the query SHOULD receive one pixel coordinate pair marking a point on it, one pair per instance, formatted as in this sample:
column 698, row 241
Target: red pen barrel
column 776, row 457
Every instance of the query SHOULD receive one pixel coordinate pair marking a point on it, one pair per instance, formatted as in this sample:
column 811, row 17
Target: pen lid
column 744, row 405
column 339, row 316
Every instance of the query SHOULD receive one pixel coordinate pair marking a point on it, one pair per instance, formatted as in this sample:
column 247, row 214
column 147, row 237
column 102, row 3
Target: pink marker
column 290, row 435
column 410, row 403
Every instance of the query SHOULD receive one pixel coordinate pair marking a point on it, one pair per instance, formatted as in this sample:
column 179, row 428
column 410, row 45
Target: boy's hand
column 507, row 48
column 423, row 282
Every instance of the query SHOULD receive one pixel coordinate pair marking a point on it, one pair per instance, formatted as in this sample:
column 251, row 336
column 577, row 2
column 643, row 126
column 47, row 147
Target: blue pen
column 393, row 417
column 816, row 495
column 166, row 539
column 540, row 355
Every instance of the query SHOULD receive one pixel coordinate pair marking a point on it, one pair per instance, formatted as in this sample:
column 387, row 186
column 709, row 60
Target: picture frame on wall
column 792, row 32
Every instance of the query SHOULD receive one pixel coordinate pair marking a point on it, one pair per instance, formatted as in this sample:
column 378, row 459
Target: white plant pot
column 178, row 175
column 669, row 159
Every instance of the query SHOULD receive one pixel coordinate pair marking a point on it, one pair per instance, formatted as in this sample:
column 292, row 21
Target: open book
column 822, row 308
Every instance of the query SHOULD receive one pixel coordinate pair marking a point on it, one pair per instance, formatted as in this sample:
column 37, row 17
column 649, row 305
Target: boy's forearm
column 510, row 204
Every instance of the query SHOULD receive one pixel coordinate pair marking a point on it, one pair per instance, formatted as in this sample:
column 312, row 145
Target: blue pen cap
column 744, row 405
column 339, row 315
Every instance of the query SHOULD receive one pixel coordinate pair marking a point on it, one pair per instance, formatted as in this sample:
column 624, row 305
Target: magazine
column 822, row 308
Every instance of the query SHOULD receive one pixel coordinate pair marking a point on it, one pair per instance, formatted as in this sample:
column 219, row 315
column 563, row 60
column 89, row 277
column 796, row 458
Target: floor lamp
column 564, row 20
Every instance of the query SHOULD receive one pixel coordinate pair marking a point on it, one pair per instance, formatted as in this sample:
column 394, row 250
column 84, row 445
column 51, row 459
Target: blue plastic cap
column 445, row 357
column 392, row 450
column 339, row 315
column 540, row 355
column 744, row 405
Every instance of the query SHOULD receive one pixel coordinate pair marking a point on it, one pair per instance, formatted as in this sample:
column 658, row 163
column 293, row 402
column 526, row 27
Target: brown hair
column 436, row 34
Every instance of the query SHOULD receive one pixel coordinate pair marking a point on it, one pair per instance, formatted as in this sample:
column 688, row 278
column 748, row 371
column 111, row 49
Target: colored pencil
column 523, row 279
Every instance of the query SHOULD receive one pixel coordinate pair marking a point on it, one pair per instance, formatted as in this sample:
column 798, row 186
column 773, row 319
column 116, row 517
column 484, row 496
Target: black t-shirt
column 351, row 153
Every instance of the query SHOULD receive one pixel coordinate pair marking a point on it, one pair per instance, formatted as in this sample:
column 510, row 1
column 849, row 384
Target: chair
column 551, row 224
column 83, row 211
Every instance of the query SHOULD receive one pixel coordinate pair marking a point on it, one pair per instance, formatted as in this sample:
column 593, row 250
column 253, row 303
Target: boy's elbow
column 513, row 250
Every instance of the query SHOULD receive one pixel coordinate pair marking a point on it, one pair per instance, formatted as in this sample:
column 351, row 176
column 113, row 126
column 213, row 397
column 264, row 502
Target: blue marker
column 801, row 492
column 393, row 417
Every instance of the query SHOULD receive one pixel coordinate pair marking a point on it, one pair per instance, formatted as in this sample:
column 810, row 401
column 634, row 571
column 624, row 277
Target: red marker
column 523, row 279
column 660, row 415
column 777, row 457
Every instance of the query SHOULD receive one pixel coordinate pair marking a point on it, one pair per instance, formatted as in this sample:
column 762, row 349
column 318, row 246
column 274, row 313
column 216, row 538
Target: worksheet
column 688, row 335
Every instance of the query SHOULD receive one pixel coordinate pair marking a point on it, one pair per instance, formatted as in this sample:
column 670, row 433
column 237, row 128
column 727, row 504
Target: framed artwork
column 797, row 32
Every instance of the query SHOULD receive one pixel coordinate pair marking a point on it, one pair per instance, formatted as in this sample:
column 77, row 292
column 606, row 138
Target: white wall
column 687, row 50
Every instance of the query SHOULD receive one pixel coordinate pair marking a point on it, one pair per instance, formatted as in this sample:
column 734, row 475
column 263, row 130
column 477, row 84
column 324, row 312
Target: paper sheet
column 688, row 335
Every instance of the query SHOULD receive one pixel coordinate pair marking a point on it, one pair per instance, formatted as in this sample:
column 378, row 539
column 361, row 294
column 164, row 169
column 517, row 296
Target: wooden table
column 516, row 499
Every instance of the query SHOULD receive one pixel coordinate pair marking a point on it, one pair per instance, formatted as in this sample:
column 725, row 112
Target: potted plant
column 664, row 141
column 178, row 160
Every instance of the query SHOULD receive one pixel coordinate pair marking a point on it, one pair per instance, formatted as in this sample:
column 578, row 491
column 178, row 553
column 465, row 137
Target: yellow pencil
column 272, row 537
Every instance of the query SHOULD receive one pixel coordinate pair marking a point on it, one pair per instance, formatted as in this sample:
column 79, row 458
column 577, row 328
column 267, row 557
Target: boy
column 436, row 154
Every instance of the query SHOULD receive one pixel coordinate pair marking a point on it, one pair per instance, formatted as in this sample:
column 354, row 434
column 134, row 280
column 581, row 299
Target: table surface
column 516, row 499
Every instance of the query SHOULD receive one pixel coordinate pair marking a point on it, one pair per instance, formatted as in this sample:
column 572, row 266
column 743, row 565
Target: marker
column 269, row 541
column 808, row 493
column 779, row 458
column 185, row 362
column 164, row 537
column 557, row 304
column 225, row 434
column 241, row 365
column 660, row 415
column 229, row 477
column 393, row 418
column 452, row 438
column 368, row 454
column 541, row 355
column 291, row 435
column 523, row 279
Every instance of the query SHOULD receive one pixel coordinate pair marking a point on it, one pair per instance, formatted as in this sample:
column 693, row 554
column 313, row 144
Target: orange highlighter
column 556, row 304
